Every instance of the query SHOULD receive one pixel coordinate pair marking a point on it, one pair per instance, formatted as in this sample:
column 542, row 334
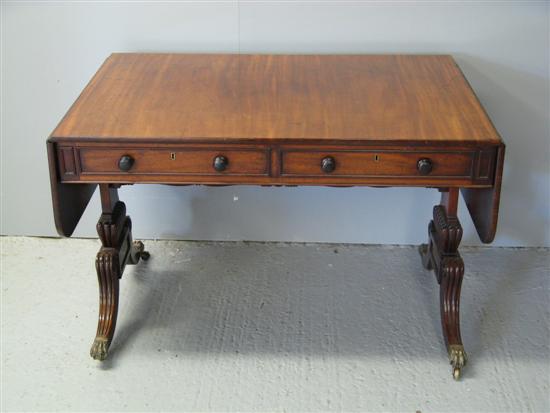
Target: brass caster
column 144, row 255
column 456, row 373
column 457, row 359
column 99, row 348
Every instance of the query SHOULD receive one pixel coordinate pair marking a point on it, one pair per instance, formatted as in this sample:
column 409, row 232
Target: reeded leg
column 115, row 231
column 107, row 273
column 441, row 255
column 449, row 290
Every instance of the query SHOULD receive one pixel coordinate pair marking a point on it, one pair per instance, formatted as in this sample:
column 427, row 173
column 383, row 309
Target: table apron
column 276, row 165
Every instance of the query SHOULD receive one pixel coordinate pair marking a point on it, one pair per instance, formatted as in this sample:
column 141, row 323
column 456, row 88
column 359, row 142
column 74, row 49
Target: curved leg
column 115, row 231
column 441, row 255
column 107, row 274
column 449, row 291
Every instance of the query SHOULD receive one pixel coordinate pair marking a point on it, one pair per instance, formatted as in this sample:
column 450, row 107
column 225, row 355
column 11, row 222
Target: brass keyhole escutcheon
column 173, row 156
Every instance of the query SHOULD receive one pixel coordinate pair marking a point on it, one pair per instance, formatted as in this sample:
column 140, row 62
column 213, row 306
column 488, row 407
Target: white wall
column 50, row 51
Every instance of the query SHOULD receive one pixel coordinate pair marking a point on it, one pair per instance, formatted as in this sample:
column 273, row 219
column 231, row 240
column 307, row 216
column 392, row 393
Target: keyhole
column 376, row 158
column 173, row 156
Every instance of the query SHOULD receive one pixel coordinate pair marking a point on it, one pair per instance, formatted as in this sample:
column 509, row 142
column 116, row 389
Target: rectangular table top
column 309, row 98
column 219, row 119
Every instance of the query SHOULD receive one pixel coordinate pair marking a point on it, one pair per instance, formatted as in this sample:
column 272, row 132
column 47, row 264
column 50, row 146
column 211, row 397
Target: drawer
column 386, row 163
column 188, row 161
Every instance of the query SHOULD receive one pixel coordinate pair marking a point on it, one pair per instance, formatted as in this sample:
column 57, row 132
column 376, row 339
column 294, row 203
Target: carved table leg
column 115, row 232
column 441, row 255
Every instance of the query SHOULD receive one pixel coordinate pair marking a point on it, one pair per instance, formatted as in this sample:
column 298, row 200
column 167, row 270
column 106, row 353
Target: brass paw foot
column 99, row 348
column 458, row 359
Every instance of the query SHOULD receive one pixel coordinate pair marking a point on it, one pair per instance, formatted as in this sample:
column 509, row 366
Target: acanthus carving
column 109, row 226
column 447, row 229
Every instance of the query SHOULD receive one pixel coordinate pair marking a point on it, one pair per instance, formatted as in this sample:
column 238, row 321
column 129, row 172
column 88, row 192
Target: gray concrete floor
column 209, row 326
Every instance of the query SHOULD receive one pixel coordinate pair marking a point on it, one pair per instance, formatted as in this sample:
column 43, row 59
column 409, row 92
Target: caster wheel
column 144, row 255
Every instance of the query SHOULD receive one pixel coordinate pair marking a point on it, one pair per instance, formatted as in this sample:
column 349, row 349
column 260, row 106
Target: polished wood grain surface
column 321, row 98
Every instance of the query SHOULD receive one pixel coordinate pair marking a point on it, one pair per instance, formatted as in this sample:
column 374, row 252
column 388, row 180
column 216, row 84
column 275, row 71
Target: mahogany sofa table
column 332, row 120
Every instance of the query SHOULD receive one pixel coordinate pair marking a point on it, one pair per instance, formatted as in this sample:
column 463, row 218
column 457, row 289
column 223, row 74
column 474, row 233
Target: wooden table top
column 220, row 97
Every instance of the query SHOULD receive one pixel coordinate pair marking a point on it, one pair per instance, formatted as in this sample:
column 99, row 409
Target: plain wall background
column 50, row 51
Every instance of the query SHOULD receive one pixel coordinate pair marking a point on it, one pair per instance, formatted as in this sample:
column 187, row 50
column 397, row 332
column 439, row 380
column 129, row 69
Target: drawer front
column 377, row 163
column 189, row 161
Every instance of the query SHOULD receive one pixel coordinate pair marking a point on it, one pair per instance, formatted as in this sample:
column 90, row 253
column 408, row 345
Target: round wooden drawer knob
column 424, row 166
column 220, row 163
column 125, row 163
column 328, row 164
